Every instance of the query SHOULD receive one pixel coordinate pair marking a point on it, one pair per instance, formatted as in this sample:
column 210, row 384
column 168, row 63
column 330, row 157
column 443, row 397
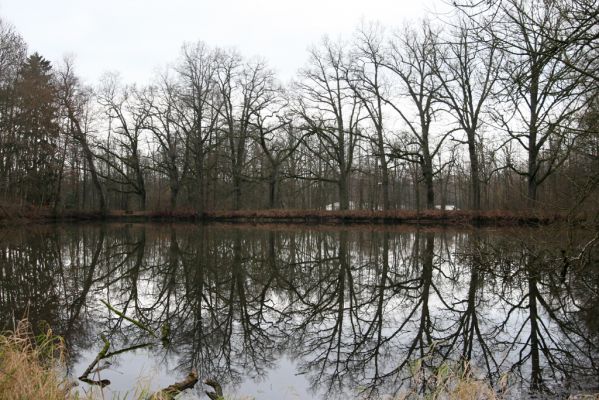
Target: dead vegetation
column 419, row 217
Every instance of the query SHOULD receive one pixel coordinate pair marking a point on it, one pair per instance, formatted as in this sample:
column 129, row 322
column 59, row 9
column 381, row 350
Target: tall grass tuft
column 32, row 367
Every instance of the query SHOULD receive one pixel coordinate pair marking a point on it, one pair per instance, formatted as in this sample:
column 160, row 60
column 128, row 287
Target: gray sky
column 135, row 37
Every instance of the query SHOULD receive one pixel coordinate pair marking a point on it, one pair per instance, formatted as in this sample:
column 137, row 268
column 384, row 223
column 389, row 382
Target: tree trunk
column 474, row 174
column 532, row 191
column 94, row 174
column 427, row 171
column 343, row 186
column 174, row 193
column 201, row 197
column 532, row 178
column 142, row 200
column 236, row 191
column 385, row 185
column 89, row 157
column 273, row 195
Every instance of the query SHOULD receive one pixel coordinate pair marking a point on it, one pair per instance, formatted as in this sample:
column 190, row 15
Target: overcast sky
column 135, row 37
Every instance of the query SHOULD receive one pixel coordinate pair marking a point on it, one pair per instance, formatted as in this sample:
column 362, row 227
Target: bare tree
column 171, row 158
column 331, row 112
column 246, row 88
column 198, row 107
column 278, row 139
column 468, row 70
column 540, row 95
column 546, row 96
column 410, row 59
column 124, row 106
column 74, row 101
column 368, row 82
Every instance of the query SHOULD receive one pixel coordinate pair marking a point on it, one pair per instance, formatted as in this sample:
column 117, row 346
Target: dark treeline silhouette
column 494, row 108
column 351, row 308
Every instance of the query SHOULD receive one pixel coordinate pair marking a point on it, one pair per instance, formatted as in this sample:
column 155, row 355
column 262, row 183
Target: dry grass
column 453, row 382
column 32, row 367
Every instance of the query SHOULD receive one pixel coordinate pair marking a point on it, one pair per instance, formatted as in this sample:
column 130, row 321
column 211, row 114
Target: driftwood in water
column 218, row 390
column 101, row 354
column 101, row 382
column 170, row 392
column 105, row 354
column 133, row 321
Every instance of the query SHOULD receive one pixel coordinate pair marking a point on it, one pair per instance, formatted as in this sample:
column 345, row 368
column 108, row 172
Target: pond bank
column 413, row 217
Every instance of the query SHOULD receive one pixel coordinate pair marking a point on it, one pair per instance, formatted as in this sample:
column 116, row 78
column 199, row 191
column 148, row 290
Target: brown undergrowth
column 417, row 217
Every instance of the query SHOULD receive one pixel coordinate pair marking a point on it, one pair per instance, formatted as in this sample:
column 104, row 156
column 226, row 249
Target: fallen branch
column 135, row 347
column 218, row 390
column 134, row 322
column 170, row 392
column 101, row 354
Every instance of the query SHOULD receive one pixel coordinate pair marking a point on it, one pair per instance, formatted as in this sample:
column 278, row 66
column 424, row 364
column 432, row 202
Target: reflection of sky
column 139, row 369
column 290, row 375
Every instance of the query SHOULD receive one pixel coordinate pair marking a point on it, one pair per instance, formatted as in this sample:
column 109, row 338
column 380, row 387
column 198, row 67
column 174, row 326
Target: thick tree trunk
column 532, row 179
column 343, row 185
column 237, row 191
column 174, row 186
column 94, row 174
column 532, row 191
column 142, row 200
column 141, row 184
column 427, row 171
column 385, row 185
column 273, row 193
column 201, row 189
column 475, row 201
column 201, row 199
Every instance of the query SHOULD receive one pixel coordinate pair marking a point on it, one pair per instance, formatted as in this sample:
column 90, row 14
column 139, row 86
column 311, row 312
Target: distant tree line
column 495, row 108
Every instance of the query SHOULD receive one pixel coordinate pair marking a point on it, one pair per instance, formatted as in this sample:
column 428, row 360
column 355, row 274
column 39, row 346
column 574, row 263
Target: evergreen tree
column 38, row 129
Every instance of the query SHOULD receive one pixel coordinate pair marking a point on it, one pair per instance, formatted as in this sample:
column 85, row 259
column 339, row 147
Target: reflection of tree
column 346, row 327
column 353, row 309
column 543, row 343
column 28, row 284
column 470, row 332
column 323, row 314
column 410, row 335
column 80, row 297
column 211, row 292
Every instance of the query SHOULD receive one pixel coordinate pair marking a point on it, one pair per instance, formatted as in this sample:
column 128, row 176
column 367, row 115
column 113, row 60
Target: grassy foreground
column 33, row 367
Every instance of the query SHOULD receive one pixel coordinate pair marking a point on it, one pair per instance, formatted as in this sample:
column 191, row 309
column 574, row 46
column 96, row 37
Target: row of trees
column 494, row 109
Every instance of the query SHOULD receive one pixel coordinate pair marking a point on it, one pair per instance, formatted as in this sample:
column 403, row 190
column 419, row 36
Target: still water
column 280, row 312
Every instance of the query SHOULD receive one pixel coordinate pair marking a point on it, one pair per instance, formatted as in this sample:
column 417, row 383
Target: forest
column 491, row 108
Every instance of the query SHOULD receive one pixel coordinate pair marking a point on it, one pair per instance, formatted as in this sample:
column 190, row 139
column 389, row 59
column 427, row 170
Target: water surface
column 313, row 312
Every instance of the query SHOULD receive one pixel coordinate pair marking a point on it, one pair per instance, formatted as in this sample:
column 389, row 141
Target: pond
column 286, row 312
